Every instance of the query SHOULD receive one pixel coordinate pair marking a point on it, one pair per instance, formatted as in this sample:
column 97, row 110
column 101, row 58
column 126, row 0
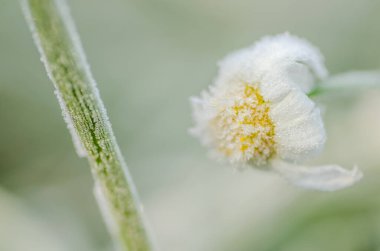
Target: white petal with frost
column 323, row 178
column 289, row 57
column 299, row 127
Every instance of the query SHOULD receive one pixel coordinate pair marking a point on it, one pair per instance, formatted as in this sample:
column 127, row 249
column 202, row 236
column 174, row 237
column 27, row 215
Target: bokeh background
column 148, row 57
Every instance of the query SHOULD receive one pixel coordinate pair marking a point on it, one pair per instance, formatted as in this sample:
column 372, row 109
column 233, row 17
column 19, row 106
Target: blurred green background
column 148, row 57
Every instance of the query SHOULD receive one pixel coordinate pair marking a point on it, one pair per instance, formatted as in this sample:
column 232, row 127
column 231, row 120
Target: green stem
column 63, row 57
column 347, row 82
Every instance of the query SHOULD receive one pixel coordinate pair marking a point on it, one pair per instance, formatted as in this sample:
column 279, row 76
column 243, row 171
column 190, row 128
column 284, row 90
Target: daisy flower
column 258, row 113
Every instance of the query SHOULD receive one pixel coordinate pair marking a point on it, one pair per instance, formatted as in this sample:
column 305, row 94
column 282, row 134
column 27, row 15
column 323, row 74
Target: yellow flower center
column 243, row 128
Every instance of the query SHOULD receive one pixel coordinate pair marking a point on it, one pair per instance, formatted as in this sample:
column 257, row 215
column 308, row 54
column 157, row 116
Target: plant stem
column 347, row 82
column 63, row 57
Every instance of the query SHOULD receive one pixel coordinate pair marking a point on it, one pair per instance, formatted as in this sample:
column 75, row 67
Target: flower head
column 258, row 113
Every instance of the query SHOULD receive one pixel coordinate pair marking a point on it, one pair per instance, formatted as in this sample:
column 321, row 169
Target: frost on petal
column 287, row 57
column 323, row 178
column 293, row 57
column 300, row 133
column 202, row 113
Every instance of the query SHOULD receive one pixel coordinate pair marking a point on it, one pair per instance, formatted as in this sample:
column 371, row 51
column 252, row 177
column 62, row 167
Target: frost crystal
column 81, row 151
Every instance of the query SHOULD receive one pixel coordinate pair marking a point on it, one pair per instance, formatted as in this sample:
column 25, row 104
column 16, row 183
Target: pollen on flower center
column 243, row 128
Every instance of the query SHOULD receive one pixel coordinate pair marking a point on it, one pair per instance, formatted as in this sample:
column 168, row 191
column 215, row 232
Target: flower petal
column 300, row 133
column 274, row 59
column 323, row 178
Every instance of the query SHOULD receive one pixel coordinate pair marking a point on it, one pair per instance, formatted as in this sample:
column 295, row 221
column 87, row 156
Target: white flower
column 258, row 113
